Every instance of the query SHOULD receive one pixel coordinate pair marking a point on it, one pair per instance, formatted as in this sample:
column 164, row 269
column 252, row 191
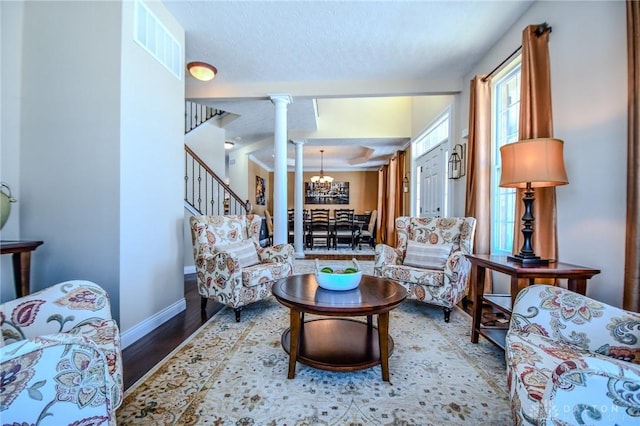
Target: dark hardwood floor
column 141, row 356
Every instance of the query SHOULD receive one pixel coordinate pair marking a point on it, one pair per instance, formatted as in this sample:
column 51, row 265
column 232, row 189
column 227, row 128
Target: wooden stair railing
column 206, row 192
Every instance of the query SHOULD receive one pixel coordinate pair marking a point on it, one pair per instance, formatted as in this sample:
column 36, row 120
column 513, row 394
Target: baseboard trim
column 190, row 269
column 143, row 328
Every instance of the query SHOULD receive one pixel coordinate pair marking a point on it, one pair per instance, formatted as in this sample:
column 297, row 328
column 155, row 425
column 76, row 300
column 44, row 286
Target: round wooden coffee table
column 338, row 344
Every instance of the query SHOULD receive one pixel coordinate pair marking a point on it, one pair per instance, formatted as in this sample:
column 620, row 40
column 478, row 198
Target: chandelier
column 321, row 178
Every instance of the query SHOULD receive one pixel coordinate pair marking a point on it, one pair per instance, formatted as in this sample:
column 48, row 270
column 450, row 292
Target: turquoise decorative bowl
column 337, row 280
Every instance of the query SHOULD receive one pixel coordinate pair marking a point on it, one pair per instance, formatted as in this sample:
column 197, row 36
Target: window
column 505, row 115
column 436, row 134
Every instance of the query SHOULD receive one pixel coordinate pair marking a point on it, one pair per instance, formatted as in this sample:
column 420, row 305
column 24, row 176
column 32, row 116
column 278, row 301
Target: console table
column 576, row 276
column 21, row 251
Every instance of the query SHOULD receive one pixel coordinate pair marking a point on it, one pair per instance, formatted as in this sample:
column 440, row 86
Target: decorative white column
column 298, row 203
column 280, row 168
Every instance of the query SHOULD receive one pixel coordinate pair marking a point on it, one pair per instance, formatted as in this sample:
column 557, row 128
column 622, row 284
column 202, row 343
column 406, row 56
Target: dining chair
column 369, row 235
column 290, row 225
column 319, row 228
column 344, row 228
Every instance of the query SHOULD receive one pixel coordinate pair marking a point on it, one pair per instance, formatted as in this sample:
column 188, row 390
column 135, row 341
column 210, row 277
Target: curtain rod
column 542, row 28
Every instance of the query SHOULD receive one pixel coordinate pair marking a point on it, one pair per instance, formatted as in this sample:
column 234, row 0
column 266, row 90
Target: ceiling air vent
column 157, row 40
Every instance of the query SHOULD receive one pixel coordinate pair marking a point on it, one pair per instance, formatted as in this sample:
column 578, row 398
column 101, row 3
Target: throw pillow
column 428, row 256
column 244, row 250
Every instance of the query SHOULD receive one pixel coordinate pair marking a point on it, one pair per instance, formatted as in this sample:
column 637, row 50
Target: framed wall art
column 261, row 190
column 326, row 193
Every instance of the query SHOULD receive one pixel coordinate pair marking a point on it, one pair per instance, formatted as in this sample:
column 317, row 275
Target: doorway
column 430, row 172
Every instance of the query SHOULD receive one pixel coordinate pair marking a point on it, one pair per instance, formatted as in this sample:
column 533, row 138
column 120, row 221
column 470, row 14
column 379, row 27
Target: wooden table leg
column 22, row 272
column 477, row 303
column 577, row 285
column 383, row 338
column 515, row 288
column 295, row 323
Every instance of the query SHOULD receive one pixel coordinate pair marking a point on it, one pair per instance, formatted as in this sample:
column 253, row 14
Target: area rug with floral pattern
column 230, row 373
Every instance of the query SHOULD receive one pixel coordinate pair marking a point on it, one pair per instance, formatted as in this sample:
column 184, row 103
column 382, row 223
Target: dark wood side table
column 21, row 251
column 576, row 276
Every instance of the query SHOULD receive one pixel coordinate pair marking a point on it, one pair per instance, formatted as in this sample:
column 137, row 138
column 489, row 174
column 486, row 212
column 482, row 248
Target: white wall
column 207, row 141
column 11, row 15
column 69, row 146
column 96, row 155
column 588, row 76
column 151, row 175
column 364, row 117
column 425, row 110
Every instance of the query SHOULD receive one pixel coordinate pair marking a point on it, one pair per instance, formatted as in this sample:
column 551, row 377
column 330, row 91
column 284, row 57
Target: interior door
column 432, row 181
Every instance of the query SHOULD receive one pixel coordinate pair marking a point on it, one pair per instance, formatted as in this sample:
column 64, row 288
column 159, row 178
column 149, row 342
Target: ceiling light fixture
column 202, row 71
column 228, row 144
column 321, row 178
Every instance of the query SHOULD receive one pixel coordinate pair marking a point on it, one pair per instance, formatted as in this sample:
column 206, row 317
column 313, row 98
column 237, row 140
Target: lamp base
column 528, row 260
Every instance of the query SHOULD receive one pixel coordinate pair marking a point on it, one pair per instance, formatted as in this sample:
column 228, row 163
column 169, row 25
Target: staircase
column 204, row 191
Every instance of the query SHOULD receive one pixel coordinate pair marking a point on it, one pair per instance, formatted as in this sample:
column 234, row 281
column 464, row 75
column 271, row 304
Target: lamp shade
column 539, row 162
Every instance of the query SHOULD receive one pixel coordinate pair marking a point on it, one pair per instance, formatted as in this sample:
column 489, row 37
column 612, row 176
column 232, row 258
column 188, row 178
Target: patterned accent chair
column 60, row 360
column 442, row 283
column 231, row 266
column 572, row 360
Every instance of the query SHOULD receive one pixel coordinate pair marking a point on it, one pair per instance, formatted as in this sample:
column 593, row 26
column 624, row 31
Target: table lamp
column 529, row 164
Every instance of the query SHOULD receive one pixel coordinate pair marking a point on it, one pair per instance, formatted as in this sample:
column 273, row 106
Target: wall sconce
column 456, row 162
column 405, row 184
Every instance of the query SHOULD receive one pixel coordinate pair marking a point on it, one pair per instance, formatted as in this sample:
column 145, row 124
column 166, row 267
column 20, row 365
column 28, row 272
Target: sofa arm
column 218, row 270
column 593, row 390
column 56, row 309
column 55, row 379
column 386, row 255
column 457, row 271
column 574, row 319
column 282, row 253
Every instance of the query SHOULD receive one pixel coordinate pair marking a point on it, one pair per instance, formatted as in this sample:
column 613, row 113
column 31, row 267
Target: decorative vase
column 5, row 204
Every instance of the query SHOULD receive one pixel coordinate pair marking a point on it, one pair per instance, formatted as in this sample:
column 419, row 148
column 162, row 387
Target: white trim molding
column 143, row 328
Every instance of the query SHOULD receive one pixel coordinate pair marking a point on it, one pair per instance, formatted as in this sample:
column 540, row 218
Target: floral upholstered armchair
column 429, row 259
column 572, row 360
column 60, row 358
column 231, row 266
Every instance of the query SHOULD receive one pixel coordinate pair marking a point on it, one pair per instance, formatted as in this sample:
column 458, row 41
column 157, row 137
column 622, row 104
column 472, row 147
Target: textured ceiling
column 312, row 49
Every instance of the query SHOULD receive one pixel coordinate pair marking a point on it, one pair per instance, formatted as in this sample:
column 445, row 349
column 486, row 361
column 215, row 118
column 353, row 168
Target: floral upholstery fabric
column 60, row 358
column 572, row 360
column 219, row 274
column 439, row 287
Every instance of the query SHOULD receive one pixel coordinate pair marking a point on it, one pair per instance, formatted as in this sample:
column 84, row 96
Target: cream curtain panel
column 390, row 212
column 398, row 196
column 477, row 203
column 536, row 122
column 631, row 300
column 381, row 233
column 390, row 198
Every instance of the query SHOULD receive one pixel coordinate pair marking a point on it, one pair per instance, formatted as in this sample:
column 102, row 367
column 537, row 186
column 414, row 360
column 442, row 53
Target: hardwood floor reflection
column 141, row 356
